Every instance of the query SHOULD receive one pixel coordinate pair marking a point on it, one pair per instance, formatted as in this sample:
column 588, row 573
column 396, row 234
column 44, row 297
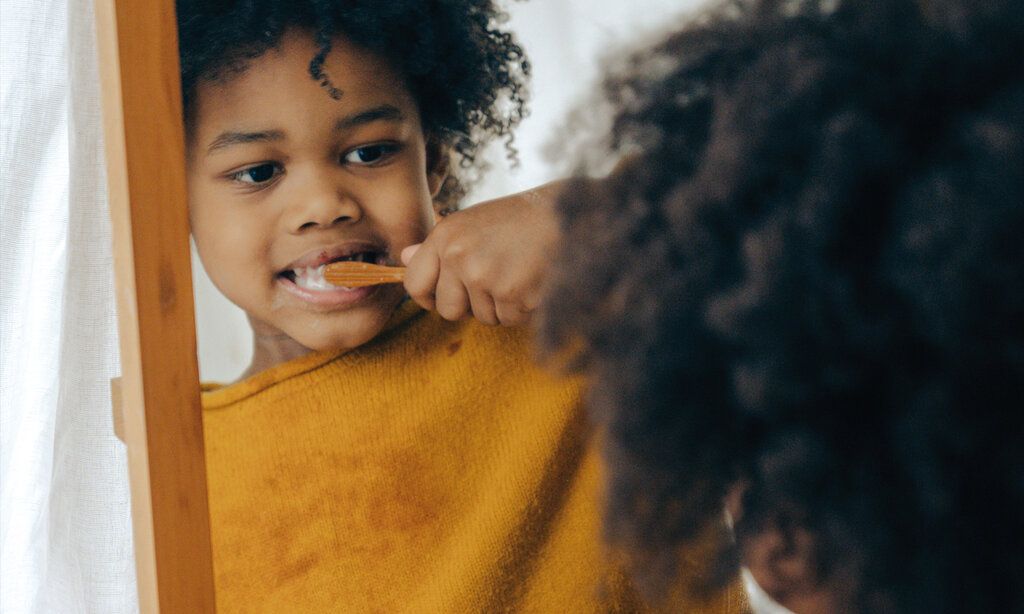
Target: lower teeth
column 307, row 283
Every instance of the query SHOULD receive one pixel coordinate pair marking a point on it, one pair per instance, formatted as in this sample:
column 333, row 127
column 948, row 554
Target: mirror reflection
column 395, row 447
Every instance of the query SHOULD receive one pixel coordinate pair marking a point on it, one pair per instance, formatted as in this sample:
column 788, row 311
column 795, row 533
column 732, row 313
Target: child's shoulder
column 417, row 346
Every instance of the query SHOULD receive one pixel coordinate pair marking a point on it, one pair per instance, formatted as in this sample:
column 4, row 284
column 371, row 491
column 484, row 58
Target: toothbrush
column 350, row 274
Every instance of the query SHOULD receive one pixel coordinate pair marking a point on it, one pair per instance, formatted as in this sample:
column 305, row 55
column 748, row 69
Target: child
column 378, row 458
column 805, row 286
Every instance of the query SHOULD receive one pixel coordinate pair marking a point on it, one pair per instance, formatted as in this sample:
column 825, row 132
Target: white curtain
column 65, row 527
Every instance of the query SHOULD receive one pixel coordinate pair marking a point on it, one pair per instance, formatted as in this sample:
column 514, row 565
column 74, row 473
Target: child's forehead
column 279, row 81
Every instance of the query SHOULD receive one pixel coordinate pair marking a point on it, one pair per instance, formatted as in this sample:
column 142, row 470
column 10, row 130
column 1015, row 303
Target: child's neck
column 271, row 348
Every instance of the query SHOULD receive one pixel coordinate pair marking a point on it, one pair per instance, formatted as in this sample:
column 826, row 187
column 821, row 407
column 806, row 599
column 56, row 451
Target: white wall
column 565, row 40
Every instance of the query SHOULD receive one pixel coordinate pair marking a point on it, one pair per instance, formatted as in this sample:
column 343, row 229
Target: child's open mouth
column 312, row 278
column 306, row 280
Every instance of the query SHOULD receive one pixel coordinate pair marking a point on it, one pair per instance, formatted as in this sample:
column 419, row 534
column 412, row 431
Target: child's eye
column 256, row 175
column 370, row 154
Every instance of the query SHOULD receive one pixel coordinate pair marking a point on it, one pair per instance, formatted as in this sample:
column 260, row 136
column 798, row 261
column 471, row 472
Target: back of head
column 807, row 278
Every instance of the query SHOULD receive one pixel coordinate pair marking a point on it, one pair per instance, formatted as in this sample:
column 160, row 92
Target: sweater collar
column 219, row 395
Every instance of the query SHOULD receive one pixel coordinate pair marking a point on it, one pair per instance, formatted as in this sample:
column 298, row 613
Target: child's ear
column 438, row 160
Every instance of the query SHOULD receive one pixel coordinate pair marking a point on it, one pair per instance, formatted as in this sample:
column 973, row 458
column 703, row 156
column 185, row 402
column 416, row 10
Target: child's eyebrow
column 384, row 112
column 227, row 139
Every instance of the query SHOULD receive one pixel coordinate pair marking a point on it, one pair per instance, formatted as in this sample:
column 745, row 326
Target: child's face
column 283, row 178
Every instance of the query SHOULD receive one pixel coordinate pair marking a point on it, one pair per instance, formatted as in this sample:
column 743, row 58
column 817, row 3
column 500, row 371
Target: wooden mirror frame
column 157, row 398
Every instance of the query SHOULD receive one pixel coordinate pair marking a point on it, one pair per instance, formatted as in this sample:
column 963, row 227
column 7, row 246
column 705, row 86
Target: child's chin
column 342, row 333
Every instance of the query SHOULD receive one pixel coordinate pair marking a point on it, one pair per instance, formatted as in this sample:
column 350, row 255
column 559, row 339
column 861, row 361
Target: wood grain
column 160, row 382
column 352, row 274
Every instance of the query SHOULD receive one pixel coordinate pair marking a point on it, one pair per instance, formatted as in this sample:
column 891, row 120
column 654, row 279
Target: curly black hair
column 466, row 73
column 807, row 278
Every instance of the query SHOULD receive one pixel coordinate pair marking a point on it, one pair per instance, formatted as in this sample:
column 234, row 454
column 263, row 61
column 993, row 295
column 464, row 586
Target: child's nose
column 323, row 206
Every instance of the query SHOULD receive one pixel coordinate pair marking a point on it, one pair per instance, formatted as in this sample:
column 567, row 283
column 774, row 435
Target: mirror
column 283, row 494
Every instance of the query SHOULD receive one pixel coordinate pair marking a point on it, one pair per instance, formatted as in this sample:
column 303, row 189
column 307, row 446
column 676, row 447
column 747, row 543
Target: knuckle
column 508, row 294
column 476, row 273
column 512, row 314
column 455, row 252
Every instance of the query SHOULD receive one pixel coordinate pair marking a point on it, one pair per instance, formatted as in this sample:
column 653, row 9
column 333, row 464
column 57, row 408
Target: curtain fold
column 65, row 524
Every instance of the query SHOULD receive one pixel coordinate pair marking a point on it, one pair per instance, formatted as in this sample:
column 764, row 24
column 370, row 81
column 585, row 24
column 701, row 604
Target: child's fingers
column 512, row 314
column 451, row 298
column 422, row 271
column 408, row 253
column 483, row 307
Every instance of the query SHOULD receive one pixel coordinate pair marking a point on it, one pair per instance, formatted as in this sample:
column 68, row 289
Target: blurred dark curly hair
column 467, row 74
column 807, row 277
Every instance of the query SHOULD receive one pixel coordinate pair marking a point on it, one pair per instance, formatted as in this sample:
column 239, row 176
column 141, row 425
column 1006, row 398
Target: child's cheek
column 231, row 254
column 404, row 205
column 410, row 228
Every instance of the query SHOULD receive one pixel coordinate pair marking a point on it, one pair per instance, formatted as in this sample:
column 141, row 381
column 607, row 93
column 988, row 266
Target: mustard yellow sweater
column 432, row 470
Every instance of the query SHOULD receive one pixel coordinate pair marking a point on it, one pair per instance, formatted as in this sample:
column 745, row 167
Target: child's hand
column 489, row 260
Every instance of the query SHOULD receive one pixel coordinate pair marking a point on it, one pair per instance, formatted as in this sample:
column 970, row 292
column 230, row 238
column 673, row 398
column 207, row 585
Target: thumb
column 409, row 252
